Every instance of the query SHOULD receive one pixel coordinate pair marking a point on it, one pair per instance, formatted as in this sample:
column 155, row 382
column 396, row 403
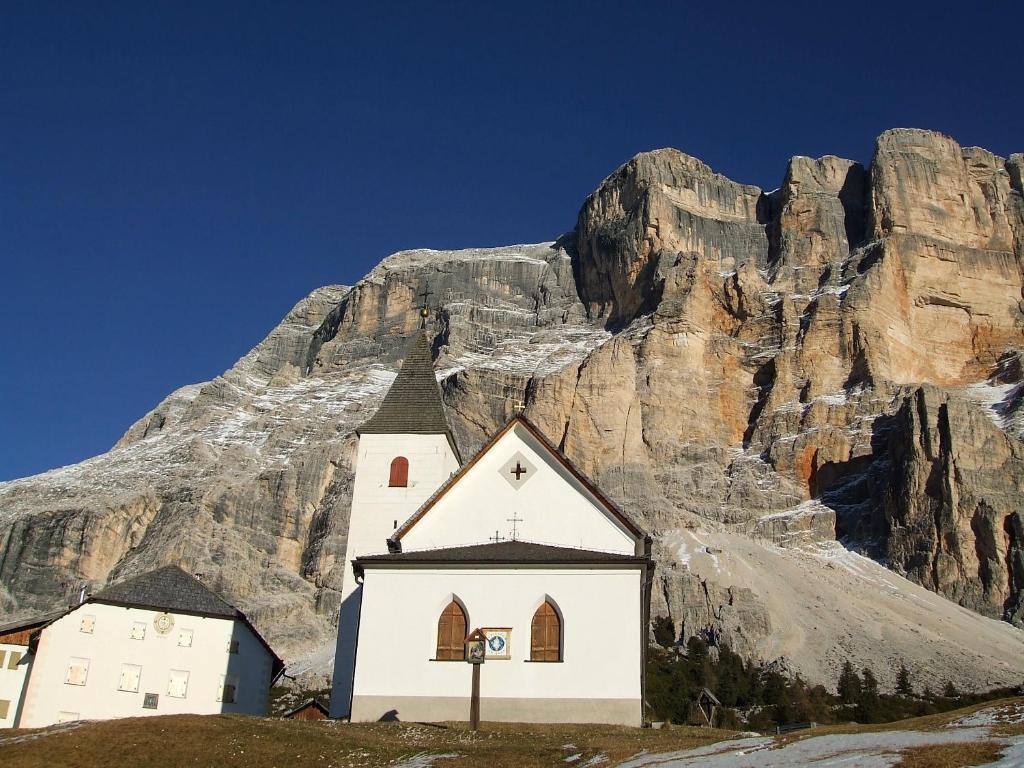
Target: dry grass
column 231, row 740
column 249, row 742
column 951, row 755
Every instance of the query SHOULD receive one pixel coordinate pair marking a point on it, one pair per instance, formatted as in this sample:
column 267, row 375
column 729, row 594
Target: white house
column 157, row 644
column 517, row 543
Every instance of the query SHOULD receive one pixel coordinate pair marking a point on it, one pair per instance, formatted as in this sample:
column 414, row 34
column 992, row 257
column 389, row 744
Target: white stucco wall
column 377, row 510
column 553, row 506
column 12, row 679
column 49, row 699
column 601, row 616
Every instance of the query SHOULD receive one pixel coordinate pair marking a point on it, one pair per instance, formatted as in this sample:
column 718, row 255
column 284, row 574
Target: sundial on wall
column 517, row 471
column 163, row 623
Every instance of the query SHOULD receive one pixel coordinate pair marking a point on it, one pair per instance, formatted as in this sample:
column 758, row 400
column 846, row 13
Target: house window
column 151, row 701
column 546, row 634
column 130, row 674
column 67, row 717
column 138, row 630
column 232, row 646
column 185, row 638
column 228, row 689
column 78, row 672
column 3, row 654
column 399, row 472
column 14, row 659
column 87, row 625
column 177, row 686
column 451, row 633
column 5, row 708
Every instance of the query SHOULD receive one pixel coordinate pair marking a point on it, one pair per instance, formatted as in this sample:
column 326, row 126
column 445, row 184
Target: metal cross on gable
column 496, row 538
column 514, row 520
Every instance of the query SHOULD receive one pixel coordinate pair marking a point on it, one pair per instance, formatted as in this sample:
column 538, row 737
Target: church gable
column 520, row 487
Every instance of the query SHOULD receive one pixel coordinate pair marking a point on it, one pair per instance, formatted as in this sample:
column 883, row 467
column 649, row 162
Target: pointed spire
column 413, row 405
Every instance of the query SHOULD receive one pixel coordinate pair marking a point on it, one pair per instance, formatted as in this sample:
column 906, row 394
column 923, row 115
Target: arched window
column 451, row 633
column 546, row 634
column 399, row 472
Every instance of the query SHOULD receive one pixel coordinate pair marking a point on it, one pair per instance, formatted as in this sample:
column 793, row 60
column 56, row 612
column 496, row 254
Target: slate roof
column 510, row 552
column 169, row 589
column 35, row 621
column 413, row 405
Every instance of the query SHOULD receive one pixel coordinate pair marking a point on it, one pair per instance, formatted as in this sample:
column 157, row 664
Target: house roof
column 169, row 589
column 502, row 552
column 518, row 419
column 35, row 621
column 413, row 404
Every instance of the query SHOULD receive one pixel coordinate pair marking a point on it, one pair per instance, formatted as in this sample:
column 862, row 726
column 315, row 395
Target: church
column 515, row 542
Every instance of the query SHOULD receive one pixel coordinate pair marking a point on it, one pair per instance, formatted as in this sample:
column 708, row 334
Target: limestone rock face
column 762, row 372
column 950, row 503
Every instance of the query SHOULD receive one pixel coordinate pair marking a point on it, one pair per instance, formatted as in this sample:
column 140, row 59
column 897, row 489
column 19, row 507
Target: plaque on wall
column 499, row 642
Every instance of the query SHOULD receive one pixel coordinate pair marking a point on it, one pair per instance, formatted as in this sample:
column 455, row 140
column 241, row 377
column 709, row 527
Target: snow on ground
column 1007, row 715
column 808, row 508
column 996, row 399
column 864, row 750
column 840, row 605
column 530, row 253
column 531, row 355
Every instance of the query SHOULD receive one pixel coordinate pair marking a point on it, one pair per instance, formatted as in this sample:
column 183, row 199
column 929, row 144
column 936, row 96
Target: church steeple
column 405, row 452
column 413, row 405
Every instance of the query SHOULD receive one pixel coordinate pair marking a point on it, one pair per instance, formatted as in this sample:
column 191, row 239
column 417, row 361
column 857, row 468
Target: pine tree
column 903, row 685
column 849, row 684
column 664, row 632
column 950, row 691
column 867, row 702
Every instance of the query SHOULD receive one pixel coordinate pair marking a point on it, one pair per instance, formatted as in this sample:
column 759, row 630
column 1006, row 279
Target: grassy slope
column 229, row 740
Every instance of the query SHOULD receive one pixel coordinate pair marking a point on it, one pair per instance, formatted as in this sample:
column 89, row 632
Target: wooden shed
column 310, row 710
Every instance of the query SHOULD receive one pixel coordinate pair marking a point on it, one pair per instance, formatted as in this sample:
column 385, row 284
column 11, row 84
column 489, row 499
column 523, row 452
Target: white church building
column 516, row 542
column 157, row 644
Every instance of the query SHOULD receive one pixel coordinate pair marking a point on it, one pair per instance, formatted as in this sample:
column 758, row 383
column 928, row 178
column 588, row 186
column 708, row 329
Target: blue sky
column 175, row 176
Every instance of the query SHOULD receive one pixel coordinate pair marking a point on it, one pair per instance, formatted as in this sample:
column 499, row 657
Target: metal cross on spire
column 425, row 309
column 514, row 520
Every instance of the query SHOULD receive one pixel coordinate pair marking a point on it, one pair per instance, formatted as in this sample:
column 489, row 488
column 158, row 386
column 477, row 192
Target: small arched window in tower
column 546, row 634
column 451, row 633
column 399, row 472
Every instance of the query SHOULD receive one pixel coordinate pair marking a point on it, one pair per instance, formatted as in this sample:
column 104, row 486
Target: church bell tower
column 406, row 451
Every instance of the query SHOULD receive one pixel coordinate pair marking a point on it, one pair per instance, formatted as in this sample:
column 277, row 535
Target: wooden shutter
column 546, row 634
column 177, row 684
column 130, row 674
column 78, row 672
column 399, row 473
column 451, row 633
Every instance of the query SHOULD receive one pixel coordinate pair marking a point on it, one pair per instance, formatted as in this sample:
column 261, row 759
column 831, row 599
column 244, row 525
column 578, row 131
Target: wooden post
column 474, row 701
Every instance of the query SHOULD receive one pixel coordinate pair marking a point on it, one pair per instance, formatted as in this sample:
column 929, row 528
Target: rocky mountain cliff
column 838, row 359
